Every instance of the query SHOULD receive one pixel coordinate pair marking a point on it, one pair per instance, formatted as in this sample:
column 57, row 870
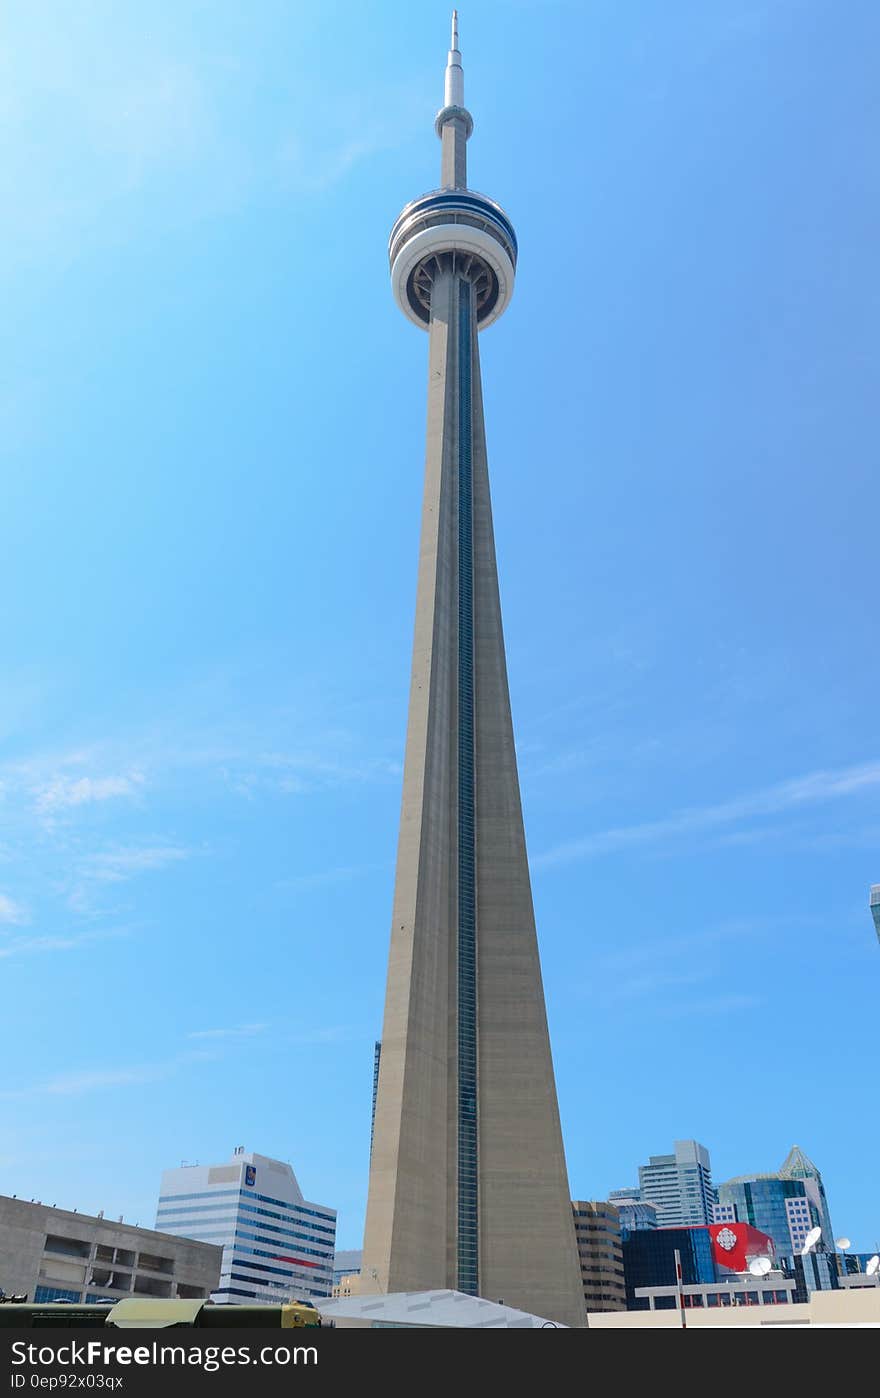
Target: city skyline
column 209, row 558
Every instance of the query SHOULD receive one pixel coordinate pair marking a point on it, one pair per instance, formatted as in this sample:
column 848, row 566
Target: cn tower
column 468, row 1184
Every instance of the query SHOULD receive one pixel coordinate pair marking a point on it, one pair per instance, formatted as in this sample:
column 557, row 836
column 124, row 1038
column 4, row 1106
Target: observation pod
column 452, row 230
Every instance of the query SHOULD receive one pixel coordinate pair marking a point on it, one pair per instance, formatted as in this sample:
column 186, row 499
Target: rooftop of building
column 797, row 1165
column 264, row 1174
column 444, row 1309
column 99, row 1220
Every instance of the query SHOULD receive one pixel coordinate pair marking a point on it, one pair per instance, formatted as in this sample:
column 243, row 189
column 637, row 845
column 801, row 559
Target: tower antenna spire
column 453, row 95
column 453, row 122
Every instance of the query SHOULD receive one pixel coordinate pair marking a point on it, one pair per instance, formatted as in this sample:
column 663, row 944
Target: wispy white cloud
column 12, row 912
column 63, row 792
column 813, row 789
column 333, row 1034
column 720, row 1005
column 80, row 1081
column 352, row 128
column 324, row 878
column 654, row 982
column 658, row 953
column 302, row 773
column 328, row 1034
column 57, row 942
column 159, row 116
column 305, row 770
column 117, row 865
column 302, row 168
column 74, row 1084
column 769, row 838
column 238, row 1031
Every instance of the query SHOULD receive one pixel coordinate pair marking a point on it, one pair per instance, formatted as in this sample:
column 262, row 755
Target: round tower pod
column 459, row 224
column 842, row 1243
column 811, row 1240
column 453, row 228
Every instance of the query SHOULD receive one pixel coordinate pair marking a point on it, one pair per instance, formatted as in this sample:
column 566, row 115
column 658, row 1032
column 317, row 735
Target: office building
column 680, row 1185
column 346, row 1263
column 468, row 1188
column 875, row 907
column 858, row 1306
column 712, row 1255
column 49, row 1254
column 597, row 1232
column 786, row 1204
column 633, row 1213
column 815, row 1271
column 346, row 1268
column 649, row 1260
column 276, row 1245
column 776, row 1206
column 774, row 1289
column 855, row 1264
column 798, row 1166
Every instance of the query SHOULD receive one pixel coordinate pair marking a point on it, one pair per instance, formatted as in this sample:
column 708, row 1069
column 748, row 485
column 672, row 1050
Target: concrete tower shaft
column 468, row 1184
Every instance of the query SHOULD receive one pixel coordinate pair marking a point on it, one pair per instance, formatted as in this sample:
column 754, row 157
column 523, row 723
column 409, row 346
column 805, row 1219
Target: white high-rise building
column 276, row 1245
column 680, row 1185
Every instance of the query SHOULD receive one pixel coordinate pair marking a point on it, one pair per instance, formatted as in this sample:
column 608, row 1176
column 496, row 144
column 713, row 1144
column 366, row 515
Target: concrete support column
column 453, row 154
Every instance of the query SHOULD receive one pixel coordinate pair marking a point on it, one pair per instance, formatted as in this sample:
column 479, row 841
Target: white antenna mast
column 454, row 90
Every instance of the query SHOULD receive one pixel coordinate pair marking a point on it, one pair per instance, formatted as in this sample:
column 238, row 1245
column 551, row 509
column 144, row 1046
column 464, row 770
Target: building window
column 67, row 1247
column 56, row 1293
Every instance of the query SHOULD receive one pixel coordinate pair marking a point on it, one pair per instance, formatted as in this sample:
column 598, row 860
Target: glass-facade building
column 797, row 1165
column 852, row 1264
column 649, row 1260
column 815, row 1272
column 875, row 907
column 276, row 1245
column 635, row 1214
column 776, row 1206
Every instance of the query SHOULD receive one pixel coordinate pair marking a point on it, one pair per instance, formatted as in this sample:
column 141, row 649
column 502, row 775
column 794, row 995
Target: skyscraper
column 778, row 1207
column 680, row 1185
column 276, row 1246
column 875, row 907
column 787, row 1204
column 468, row 1184
column 797, row 1165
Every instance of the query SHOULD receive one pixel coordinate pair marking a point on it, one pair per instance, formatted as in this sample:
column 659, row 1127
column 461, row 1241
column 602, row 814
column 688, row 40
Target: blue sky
column 212, row 420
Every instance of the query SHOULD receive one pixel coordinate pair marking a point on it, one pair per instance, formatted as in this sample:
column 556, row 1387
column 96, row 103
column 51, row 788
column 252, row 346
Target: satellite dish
column 873, row 1266
column 842, row 1243
column 811, row 1240
column 760, row 1266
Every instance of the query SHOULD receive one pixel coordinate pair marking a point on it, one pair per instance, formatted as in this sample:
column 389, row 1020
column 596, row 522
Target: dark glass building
column 815, row 1272
column 649, row 1260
